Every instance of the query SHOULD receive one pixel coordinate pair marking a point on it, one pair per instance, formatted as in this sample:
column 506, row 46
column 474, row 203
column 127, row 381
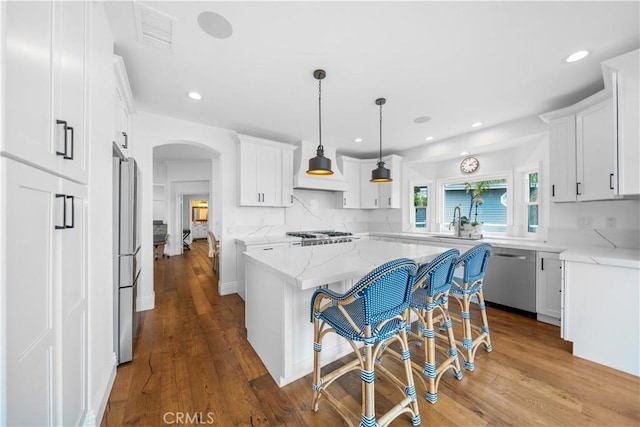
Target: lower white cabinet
column 199, row 231
column 45, row 286
column 549, row 288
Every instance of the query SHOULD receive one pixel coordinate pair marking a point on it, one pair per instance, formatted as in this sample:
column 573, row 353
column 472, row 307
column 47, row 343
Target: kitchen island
column 279, row 286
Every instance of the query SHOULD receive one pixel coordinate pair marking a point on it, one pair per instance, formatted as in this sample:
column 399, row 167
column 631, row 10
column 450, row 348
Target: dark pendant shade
column 381, row 174
column 320, row 165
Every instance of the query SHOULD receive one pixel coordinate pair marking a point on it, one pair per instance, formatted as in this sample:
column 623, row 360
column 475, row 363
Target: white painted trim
column 94, row 415
column 146, row 302
column 227, row 288
column 122, row 82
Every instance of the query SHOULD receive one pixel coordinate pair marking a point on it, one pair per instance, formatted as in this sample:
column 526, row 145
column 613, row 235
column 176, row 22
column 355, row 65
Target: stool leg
column 410, row 390
column 467, row 339
column 430, row 353
column 368, row 386
column 317, row 381
column 453, row 349
column 485, row 324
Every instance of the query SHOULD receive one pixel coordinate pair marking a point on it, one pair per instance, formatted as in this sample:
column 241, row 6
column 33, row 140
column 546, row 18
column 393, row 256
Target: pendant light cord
column 320, row 147
column 380, row 158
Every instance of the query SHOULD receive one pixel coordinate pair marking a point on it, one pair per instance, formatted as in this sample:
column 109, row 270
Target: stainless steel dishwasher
column 510, row 280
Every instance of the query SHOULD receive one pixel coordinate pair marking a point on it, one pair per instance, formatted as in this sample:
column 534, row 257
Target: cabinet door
column 562, row 159
column 248, row 177
column 369, row 192
column 26, row 66
column 351, row 172
column 270, row 176
column 549, row 281
column 29, row 285
column 69, row 86
column 595, row 151
column 121, row 124
column 287, row 178
column 72, row 253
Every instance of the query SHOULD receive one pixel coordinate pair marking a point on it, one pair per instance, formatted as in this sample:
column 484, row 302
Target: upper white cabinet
column 622, row 75
column 44, row 72
column 349, row 199
column 124, row 107
column 381, row 195
column 261, row 172
column 581, row 150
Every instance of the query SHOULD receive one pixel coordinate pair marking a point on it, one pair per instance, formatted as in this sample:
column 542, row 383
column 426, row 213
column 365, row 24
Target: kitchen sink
column 452, row 237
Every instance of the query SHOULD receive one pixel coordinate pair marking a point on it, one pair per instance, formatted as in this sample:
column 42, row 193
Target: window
column 420, row 201
column 481, row 202
column 531, row 201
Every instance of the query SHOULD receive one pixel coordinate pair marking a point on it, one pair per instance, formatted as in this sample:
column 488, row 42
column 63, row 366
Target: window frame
column 431, row 203
column 506, row 175
column 526, row 172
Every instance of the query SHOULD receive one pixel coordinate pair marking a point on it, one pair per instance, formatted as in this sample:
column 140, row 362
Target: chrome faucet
column 456, row 224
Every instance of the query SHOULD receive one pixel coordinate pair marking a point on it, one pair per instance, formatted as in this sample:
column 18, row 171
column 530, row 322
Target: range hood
column 306, row 150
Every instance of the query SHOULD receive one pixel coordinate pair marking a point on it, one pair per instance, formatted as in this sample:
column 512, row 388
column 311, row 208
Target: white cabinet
column 45, row 270
column 622, row 74
column 582, row 150
column 349, row 199
column 44, row 72
column 595, row 152
column 381, row 195
column 199, row 231
column 548, row 288
column 287, row 177
column 261, row 172
column 124, row 108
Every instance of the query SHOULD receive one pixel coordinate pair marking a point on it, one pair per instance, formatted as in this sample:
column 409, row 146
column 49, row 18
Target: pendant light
column 380, row 174
column 320, row 165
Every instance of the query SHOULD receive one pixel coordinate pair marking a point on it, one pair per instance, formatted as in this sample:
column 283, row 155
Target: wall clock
column 469, row 165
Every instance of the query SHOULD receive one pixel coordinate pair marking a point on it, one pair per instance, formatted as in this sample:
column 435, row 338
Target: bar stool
column 371, row 313
column 431, row 293
column 474, row 265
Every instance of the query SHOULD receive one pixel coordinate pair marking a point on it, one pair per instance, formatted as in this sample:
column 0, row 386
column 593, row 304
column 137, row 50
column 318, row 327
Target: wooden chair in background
column 214, row 251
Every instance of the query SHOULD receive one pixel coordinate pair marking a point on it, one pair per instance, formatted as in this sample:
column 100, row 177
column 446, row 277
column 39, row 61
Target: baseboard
column 548, row 319
column 228, row 287
column 96, row 412
column 146, row 302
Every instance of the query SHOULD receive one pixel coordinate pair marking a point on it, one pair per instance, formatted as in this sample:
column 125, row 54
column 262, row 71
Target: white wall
column 101, row 356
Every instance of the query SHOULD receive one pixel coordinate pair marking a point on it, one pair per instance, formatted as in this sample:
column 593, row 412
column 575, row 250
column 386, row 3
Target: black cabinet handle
column 389, row 201
column 553, row 190
column 344, row 201
column 258, row 196
column 63, row 153
column 541, row 263
column 610, row 181
column 126, row 140
column 64, row 212
column 73, row 213
column 578, row 189
column 376, row 202
column 292, row 199
column 72, row 143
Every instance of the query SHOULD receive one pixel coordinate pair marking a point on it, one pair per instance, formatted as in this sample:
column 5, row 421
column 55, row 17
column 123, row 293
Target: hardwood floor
column 193, row 365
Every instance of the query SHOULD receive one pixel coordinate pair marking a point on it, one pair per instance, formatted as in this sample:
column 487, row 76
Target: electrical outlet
column 585, row 222
column 611, row 222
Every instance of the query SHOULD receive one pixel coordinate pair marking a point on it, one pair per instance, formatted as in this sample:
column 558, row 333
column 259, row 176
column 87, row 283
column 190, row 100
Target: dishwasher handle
column 522, row 257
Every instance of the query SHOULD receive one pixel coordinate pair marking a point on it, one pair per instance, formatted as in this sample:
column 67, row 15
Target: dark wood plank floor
column 193, row 365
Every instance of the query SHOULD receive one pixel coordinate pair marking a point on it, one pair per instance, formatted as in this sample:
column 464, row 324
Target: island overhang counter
column 279, row 286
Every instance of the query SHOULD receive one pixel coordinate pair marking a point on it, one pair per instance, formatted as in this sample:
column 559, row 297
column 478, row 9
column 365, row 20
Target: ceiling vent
column 154, row 27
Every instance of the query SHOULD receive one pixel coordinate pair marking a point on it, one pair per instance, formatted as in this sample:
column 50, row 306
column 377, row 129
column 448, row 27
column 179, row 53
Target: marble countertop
column 616, row 257
column 311, row 266
column 267, row 240
column 503, row 242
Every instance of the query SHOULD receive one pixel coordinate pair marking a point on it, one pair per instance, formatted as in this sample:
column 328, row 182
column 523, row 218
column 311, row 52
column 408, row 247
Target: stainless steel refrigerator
column 126, row 256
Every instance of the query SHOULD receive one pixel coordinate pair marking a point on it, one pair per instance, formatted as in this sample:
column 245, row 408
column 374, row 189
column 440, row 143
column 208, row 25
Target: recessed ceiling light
column 194, row 95
column 574, row 57
column 421, row 119
column 464, row 153
column 476, row 124
column 429, row 138
column 357, row 140
column 215, row 25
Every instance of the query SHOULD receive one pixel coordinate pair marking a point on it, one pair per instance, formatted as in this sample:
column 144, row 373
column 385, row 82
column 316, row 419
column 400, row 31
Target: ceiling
column 456, row 62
